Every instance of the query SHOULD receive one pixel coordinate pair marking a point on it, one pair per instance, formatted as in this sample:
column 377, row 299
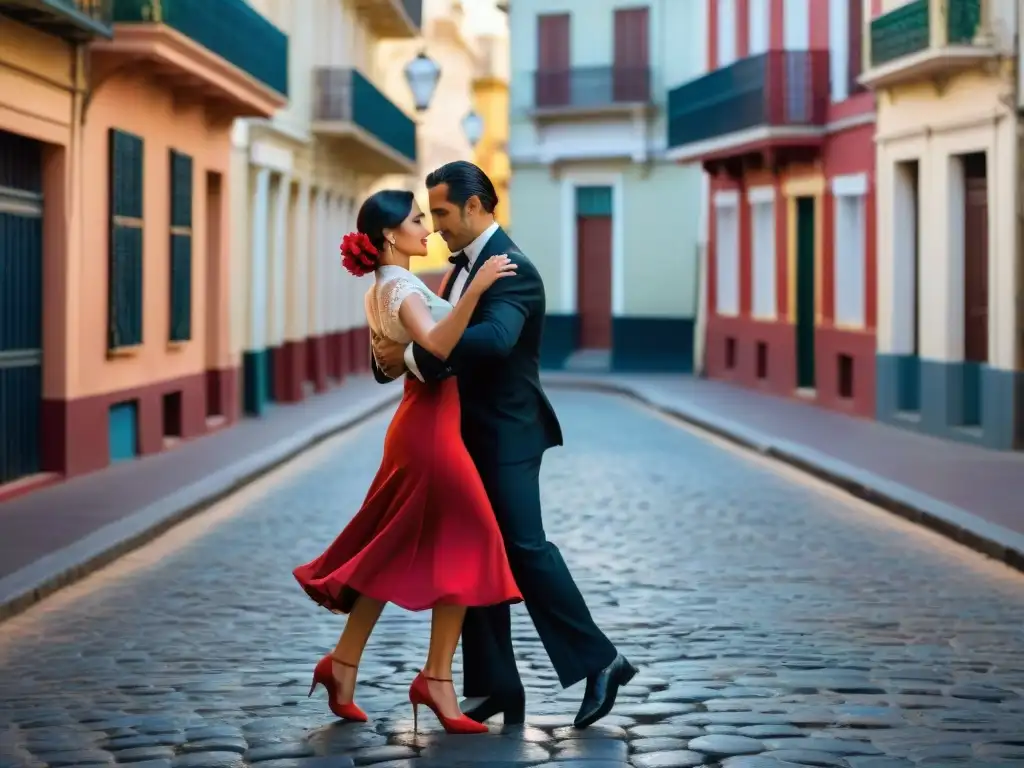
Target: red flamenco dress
column 425, row 534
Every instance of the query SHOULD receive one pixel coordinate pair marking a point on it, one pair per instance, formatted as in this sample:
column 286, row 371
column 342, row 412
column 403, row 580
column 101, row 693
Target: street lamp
column 422, row 74
column 473, row 127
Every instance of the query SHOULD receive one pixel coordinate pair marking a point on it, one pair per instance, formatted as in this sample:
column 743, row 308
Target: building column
column 296, row 294
column 255, row 362
column 280, row 194
column 316, row 351
column 329, row 285
column 358, row 334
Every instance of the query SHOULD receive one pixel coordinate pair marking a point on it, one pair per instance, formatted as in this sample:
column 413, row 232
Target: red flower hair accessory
column 358, row 255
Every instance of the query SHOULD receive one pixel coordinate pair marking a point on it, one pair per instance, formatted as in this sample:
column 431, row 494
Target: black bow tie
column 460, row 260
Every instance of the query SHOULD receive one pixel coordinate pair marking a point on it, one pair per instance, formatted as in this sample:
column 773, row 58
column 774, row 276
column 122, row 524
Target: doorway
column 214, row 310
column 21, row 305
column 906, row 292
column 594, row 266
column 805, row 293
column 975, row 282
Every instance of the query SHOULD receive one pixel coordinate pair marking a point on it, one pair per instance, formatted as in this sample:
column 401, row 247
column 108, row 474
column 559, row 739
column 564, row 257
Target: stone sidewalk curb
column 28, row 586
column 953, row 522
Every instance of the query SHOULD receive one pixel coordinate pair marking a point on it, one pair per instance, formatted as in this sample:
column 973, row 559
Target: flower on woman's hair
column 358, row 255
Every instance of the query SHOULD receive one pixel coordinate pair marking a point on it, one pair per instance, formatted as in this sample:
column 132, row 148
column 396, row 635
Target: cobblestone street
column 774, row 624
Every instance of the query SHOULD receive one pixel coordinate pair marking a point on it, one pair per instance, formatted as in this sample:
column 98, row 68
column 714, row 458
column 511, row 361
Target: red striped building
column 785, row 134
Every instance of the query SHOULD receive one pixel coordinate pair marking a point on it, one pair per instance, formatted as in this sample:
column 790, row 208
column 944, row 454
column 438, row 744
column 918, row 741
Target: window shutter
column 181, row 247
column 126, row 236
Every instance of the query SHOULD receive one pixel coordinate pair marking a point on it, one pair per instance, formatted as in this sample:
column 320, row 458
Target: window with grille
column 181, row 247
column 126, row 230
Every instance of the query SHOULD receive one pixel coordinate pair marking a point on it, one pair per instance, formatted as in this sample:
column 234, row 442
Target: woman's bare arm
column 441, row 337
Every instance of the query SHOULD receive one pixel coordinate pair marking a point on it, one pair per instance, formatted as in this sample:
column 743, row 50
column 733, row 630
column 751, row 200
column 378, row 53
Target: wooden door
column 594, row 281
column 630, row 72
column 805, row 293
column 21, row 306
column 552, row 79
column 975, row 259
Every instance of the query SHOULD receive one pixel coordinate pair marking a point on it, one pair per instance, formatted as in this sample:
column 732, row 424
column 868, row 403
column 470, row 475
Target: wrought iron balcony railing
column 344, row 95
column 919, row 25
column 232, row 29
column 591, row 87
column 773, row 89
column 69, row 19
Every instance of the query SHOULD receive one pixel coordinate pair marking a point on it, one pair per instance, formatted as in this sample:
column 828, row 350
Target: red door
column 594, row 280
column 630, row 78
column 975, row 260
column 551, row 86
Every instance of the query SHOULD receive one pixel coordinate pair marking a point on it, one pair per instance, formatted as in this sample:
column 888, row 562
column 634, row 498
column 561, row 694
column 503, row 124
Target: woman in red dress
column 426, row 536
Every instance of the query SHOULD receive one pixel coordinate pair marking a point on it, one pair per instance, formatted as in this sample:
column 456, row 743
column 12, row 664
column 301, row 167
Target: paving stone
column 807, row 757
column 591, row 749
column 726, row 745
column 278, row 752
column 658, row 744
column 371, row 755
column 666, row 729
column 209, row 760
column 836, row 746
column 679, row 758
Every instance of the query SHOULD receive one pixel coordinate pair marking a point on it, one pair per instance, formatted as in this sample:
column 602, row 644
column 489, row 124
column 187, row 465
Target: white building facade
column 611, row 224
column 297, row 316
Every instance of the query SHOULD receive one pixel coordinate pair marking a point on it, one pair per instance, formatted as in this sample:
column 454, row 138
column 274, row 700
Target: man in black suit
column 507, row 424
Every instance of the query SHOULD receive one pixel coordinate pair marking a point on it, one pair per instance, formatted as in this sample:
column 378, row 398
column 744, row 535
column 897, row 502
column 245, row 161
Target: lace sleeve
column 392, row 294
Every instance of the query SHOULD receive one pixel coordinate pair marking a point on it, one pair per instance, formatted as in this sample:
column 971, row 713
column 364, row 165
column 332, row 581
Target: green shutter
column 593, row 201
column 181, row 247
column 181, row 287
column 126, row 228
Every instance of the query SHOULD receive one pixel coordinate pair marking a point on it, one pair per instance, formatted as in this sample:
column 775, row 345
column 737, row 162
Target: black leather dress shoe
column 512, row 707
column 602, row 689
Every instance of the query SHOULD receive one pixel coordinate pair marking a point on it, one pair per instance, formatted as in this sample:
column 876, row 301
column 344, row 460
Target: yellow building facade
column 948, row 162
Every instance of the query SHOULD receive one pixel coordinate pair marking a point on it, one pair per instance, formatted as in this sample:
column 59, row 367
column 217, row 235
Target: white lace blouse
column 392, row 286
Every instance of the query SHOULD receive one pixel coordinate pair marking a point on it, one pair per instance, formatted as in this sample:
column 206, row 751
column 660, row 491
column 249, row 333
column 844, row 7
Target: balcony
column 377, row 137
column 762, row 110
column 589, row 92
column 221, row 52
column 392, row 18
column 74, row 20
column 929, row 40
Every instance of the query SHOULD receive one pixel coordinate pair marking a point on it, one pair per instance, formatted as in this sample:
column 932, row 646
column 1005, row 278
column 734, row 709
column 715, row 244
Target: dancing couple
column 452, row 520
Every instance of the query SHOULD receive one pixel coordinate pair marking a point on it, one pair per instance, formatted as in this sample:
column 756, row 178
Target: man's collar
column 476, row 247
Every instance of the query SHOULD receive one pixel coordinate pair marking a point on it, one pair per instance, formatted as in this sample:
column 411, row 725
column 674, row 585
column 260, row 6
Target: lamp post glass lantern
column 473, row 127
column 422, row 74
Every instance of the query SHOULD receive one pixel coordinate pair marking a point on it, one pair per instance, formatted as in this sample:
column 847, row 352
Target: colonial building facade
column 785, row 133
column 612, row 222
column 950, row 347
column 115, row 146
column 298, row 317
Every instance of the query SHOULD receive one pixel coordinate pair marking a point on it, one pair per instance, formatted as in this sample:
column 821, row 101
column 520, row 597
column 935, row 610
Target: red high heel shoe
column 419, row 693
column 324, row 675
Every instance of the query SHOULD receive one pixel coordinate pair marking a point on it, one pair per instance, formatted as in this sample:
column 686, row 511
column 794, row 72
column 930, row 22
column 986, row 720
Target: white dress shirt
column 472, row 252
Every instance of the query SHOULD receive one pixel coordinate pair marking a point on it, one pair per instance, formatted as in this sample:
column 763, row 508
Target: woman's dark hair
column 382, row 210
column 465, row 180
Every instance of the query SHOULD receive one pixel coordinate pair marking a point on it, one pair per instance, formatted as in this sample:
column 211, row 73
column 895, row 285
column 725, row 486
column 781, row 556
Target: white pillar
column 344, row 282
column 317, row 273
column 1004, row 199
column 279, row 262
column 258, row 266
column 298, row 280
column 903, row 253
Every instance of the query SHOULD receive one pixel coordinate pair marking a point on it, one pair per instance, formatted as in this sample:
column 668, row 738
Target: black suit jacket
column 506, row 417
